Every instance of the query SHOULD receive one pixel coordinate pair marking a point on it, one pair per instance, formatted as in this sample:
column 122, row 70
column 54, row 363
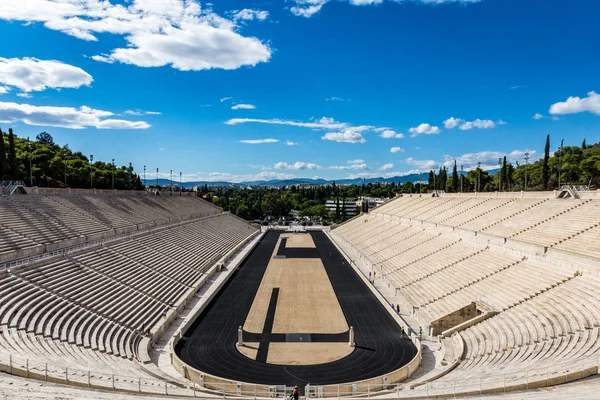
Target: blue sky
column 243, row 90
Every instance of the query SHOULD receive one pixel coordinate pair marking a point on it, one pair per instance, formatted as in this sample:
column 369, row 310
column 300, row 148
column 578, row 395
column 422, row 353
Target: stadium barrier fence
column 209, row 387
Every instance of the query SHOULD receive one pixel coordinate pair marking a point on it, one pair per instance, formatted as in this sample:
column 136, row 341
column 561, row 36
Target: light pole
column 462, row 177
column 526, row 168
column 113, row 174
column 180, row 187
column 144, row 176
column 171, row 182
column 65, row 174
column 30, row 164
column 156, row 178
column 478, row 176
column 91, row 171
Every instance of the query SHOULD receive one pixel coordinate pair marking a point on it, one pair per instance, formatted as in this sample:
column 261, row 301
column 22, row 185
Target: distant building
column 368, row 203
column 347, row 207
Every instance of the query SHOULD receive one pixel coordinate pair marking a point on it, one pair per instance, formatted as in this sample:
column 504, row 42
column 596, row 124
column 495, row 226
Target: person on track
column 295, row 394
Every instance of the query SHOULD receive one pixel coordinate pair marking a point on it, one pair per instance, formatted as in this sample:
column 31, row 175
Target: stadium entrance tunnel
column 296, row 298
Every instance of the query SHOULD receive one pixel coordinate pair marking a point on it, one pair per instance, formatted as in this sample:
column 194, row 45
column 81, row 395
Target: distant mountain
column 288, row 182
column 305, row 181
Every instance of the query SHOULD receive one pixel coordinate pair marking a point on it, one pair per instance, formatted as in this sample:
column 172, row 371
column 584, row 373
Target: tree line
column 44, row 163
column 568, row 165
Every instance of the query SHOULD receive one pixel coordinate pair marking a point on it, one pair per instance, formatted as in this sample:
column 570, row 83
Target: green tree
column 243, row 211
column 583, row 144
column 431, row 180
column 12, row 156
column 3, row 166
column 44, row 138
column 455, row 178
column 545, row 166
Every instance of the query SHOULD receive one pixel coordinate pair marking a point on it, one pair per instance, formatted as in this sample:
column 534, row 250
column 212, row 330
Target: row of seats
column 559, row 325
column 93, row 307
column 544, row 315
column 39, row 221
column 559, row 223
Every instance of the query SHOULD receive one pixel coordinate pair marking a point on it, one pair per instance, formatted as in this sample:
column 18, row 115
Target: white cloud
column 501, row 122
column 344, row 131
column 298, row 165
column 488, row 160
column 259, row 141
column 452, row 122
column 177, row 33
column 539, row 116
column 390, row 134
column 140, row 112
column 386, row 167
column 478, row 123
column 248, row 15
column 424, row 129
column 243, row 107
column 421, row 164
column 290, row 143
column 358, row 166
column 323, row 123
column 33, row 75
column 347, row 136
column 64, row 117
column 223, row 99
column 308, row 8
column 396, row 150
column 334, row 98
column 25, row 95
column 357, row 161
column 4, row 90
column 575, row 105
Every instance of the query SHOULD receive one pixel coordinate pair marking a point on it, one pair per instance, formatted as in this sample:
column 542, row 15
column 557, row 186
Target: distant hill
column 288, row 182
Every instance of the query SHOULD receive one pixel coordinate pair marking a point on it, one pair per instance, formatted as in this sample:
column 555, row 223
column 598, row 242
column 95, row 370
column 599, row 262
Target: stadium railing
column 478, row 385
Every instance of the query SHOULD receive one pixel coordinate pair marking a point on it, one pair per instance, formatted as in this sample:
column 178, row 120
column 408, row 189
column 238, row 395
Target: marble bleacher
column 429, row 250
column 90, row 309
column 35, row 224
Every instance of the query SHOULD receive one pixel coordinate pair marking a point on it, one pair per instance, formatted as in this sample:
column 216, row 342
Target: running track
column 209, row 344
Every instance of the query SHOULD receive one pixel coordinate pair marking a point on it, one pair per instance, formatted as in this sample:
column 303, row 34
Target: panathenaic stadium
column 129, row 295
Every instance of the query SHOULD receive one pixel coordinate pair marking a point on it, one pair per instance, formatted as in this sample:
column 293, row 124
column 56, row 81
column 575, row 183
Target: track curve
column 209, row 344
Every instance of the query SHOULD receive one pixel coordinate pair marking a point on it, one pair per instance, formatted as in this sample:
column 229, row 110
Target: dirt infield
column 210, row 343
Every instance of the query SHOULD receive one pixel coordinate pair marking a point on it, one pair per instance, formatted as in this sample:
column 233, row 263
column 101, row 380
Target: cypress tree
column 504, row 174
column 12, row 155
column 545, row 167
column 455, row 178
column 583, row 145
column 3, row 165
